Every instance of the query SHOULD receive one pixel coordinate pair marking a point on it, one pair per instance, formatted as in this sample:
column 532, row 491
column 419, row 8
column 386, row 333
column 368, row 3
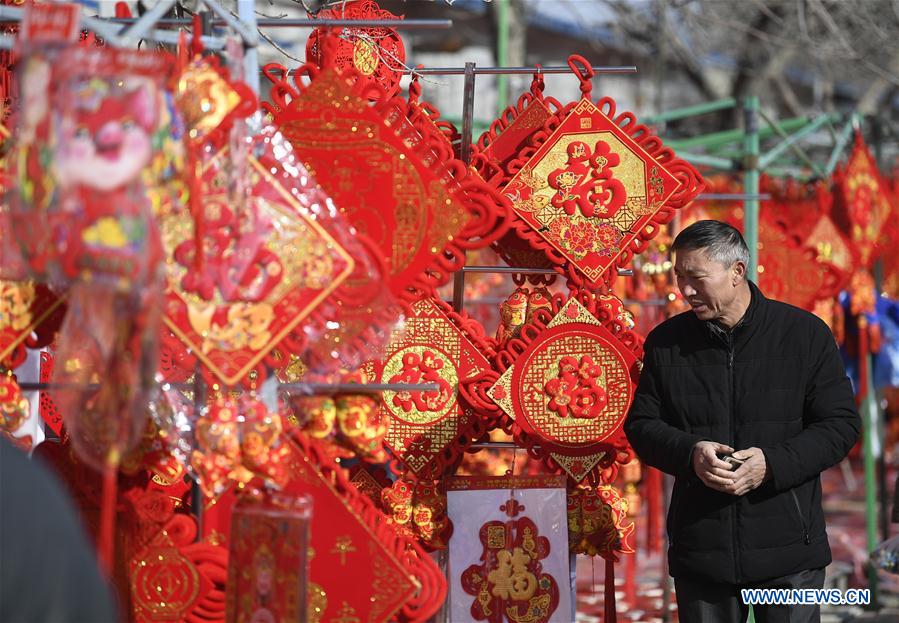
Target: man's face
column 708, row 286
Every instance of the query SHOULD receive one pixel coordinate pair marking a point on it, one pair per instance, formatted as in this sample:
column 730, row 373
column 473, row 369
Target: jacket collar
column 747, row 324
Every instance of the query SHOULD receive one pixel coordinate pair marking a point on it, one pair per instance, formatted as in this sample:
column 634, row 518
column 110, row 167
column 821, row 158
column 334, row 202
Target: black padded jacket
column 775, row 382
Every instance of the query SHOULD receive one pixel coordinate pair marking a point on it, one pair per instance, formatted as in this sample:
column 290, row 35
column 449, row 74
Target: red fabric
column 351, row 536
column 591, row 188
column 376, row 54
column 862, row 206
column 420, row 208
column 610, row 610
column 582, row 360
column 429, row 431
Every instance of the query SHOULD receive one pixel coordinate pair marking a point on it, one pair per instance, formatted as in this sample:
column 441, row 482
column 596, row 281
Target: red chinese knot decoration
column 420, row 211
column 567, row 384
column 263, row 273
column 862, row 206
column 591, row 188
column 376, row 54
column 429, row 429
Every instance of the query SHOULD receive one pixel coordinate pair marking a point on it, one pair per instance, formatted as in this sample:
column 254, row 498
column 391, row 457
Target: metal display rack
column 748, row 157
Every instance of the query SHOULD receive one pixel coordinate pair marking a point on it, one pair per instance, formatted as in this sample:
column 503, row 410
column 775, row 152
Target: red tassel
column 630, row 579
column 106, row 540
column 611, row 615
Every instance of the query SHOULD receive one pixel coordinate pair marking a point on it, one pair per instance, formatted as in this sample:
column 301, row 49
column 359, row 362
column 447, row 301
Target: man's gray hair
column 720, row 241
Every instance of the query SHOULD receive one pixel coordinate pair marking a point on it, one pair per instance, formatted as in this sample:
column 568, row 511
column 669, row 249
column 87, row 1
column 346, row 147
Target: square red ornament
column 567, row 384
column 590, row 188
column 263, row 273
column 429, row 430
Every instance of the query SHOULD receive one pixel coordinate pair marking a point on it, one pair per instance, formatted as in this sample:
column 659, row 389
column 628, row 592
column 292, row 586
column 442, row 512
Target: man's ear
column 738, row 272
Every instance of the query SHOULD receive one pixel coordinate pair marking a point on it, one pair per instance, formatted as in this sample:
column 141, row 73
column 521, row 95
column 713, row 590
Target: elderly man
column 745, row 401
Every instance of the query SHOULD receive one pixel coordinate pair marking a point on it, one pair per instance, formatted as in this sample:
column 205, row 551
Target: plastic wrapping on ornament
column 337, row 336
column 268, row 293
column 91, row 131
column 509, row 549
column 267, row 565
column 158, row 450
column 106, row 362
column 231, row 441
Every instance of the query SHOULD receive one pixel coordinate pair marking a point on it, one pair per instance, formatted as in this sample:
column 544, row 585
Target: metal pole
column 725, row 164
column 288, row 22
column 515, row 71
column 728, row 137
column 502, row 55
column 790, row 142
column 622, row 272
column 689, row 111
column 247, row 12
column 518, row 71
column 869, row 430
column 459, row 290
column 467, row 112
column 838, row 147
column 751, row 182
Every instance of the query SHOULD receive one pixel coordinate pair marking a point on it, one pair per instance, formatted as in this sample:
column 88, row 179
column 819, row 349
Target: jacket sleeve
column 655, row 440
column 831, row 422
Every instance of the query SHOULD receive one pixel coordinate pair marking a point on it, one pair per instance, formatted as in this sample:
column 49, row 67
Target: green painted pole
column 790, row 141
column 728, row 137
column 716, row 162
column 689, row 111
column 839, row 147
column 502, row 54
column 869, row 430
column 751, row 182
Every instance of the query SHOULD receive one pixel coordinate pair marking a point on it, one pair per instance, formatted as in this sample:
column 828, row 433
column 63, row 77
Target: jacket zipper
column 805, row 535
column 733, row 427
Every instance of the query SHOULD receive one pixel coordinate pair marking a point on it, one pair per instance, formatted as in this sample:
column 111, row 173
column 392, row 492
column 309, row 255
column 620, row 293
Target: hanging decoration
column 49, row 413
column 14, row 410
column 84, row 159
column 794, row 273
column 418, row 510
column 352, row 423
column 862, row 205
column 519, row 309
column 421, row 212
column 567, row 383
column 509, row 551
column 509, row 134
column 591, row 188
column 237, row 441
column 597, row 522
column 263, row 273
column 174, row 578
column 30, row 315
column 429, row 430
column 376, row 55
column 267, row 562
column 392, row 577
column 210, row 101
column 442, row 136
